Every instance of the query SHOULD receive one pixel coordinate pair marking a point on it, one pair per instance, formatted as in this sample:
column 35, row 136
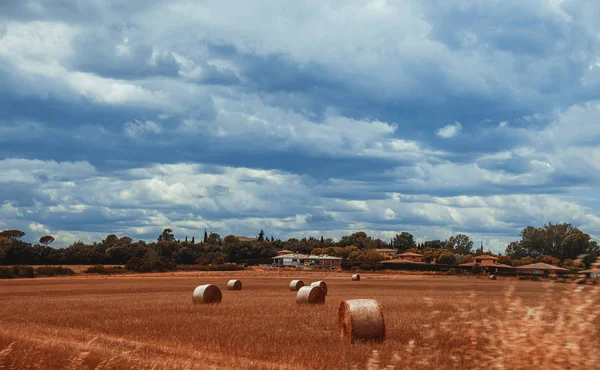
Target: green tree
column 445, row 257
column 231, row 240
column 403, row 241
column 460, row 244
column 261, row 236
column 214, row 239
column 167, row 236
column 46, row 240
column 13, row 234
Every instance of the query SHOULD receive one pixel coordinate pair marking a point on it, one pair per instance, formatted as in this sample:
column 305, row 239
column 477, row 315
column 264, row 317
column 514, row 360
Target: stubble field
column 142, row 322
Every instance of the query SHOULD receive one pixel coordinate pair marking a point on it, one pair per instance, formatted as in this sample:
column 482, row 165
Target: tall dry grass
column 432, row 322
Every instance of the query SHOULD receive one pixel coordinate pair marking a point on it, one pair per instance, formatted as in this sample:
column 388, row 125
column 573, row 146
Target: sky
column 302, row 118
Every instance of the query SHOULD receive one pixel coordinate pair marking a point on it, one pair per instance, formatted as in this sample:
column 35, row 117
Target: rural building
column 297, row 260
column 487, row 263
column 540, row 269
column 485, row 260
column 387, row 253
column 412, row 257
column 284, row 251
column 593, row 272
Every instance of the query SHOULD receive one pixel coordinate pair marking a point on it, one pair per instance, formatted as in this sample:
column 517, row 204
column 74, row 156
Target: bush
column 101, row 269
column 54, row 271
column 135, row 264
column 23, row 271
column 7, row 273
column 97, row 269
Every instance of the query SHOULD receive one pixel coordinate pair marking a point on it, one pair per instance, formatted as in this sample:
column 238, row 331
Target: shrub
column 135, row 264
column 7, row 273
column 23, row 271
column 54, row 271
column 154, row 265
column 97, row 269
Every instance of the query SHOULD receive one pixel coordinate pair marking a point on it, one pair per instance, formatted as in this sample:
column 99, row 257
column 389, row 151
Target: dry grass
column 147, row 322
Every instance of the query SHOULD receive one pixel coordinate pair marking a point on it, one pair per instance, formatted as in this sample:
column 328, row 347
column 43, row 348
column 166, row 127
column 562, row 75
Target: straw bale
column 310, row 295
column 361, row 320
column 207, row 293
column 356, row 277
column 321, row 284
column 234, row 285
column 296, row 284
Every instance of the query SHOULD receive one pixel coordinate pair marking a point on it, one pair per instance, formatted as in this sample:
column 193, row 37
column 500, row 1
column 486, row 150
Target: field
column 141, row 322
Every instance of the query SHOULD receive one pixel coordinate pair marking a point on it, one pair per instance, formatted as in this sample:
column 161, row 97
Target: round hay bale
column 356, row 277
column 321, row 284
column 296, row 284
column 361, row 320
column 207, row 293
column 492, row 277
column 310, row 295
column 234, row 285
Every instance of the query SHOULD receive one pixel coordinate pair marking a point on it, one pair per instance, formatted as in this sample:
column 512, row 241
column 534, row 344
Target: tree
column 446, row 257
column 214, row 239
column 231, row 240
column 111, row 240
column 12, row 234
column 167, row 236
column 46, row 240
column 515, row 250
column 562, row 241
column 460, row 244
column 261, row 236
column 205, row 236
column 403, row 241
column 193, row 240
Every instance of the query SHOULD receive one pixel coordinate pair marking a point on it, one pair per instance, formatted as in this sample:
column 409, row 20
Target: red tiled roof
column 487, row 265
column 542, row 266
column 400, row 260
column 410, row 254
column 485, row 257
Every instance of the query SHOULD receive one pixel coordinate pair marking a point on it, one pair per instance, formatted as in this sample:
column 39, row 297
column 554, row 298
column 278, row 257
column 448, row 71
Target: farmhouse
column 297, row 260
column 407, row 257
column 486, row 263
column 540, row 269
column 593, row 272
column 412, row 257
column 387, row 253
column 284, row 251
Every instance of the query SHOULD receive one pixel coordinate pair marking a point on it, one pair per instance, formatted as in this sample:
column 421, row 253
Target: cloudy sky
column 300, row 118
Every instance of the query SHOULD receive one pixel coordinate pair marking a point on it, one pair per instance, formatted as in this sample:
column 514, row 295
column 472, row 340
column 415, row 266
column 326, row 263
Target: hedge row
column 18, row 271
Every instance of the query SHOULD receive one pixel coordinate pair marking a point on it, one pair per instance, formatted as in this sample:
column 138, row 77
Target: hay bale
column 234, row 285
column 356, row 277
column 310, row 295
column 321, row 284
column 207, row 293
column 296, row 284
column 361, row 320
column 492, row 277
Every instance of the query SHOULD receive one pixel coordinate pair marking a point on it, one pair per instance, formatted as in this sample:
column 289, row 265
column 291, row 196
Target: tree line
column 559, row 244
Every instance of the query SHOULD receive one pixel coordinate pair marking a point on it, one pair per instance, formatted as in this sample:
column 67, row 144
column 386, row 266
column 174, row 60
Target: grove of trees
column 558, row 244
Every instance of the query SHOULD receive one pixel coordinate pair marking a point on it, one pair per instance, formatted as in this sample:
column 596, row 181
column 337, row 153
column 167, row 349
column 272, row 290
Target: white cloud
column 139, row 128
column 449, row 131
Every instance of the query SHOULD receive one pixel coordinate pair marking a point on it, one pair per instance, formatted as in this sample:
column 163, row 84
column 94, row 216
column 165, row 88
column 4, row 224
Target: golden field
column 143, row 322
